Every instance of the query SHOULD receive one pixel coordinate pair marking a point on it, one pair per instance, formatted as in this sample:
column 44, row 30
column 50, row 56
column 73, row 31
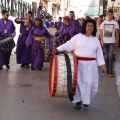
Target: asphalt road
column 24, row 96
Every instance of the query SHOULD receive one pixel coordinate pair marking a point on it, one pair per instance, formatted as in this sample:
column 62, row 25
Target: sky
column 83, row 6
column 79, row 3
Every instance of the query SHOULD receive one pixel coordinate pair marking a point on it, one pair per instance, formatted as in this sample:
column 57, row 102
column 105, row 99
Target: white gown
column 87, row 80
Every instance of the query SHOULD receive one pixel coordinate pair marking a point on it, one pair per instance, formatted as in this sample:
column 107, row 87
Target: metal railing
column 17, row 8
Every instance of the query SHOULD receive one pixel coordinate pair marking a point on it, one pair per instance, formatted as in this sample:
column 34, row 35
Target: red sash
column 85, row 58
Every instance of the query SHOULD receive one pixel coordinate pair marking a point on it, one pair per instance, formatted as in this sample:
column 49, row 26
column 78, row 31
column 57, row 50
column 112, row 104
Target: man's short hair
column 30, row 12
column 110, row 11
column 60, row 18
column 72, row 12
column 4, row 11
column 47, row 17
column 101, row 16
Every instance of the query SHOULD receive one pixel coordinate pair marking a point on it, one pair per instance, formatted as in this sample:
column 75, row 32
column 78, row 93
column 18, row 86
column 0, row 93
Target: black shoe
column 27, row 66
column 78, row 105
column 40, row 69
column 111, row 75
column 1, row 68
column 8, row 66
column 22, row 66
column 86, row 105
column 32, row 68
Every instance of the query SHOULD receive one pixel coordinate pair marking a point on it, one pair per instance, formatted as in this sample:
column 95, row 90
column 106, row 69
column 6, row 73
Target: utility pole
column 112, row 3
column 105, row 2
column 99, row 7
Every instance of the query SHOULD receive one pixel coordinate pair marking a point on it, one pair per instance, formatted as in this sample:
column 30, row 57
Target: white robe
column 87, row 79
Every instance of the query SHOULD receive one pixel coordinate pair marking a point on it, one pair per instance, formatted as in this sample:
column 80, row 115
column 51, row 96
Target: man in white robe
column 85, row 47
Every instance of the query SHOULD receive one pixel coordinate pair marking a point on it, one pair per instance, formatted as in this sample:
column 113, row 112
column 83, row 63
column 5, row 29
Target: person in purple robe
column 7, row 28
column 51, row 21
column 81, row 20
column 59, row 23
column 68, row 30
column 36, row 40
column 23, row 53
column 75, row 22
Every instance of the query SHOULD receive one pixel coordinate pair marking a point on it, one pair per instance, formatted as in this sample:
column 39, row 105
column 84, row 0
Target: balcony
column 35, row 0
column 58, row 2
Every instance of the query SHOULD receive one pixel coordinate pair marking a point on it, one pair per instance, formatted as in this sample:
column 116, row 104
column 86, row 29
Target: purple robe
column 6, row 29
column 58, row 25
column 77, row 25
column 70, row 29
column 37, row 50
column 23, row 53
column 51, row 23
column 81, row 23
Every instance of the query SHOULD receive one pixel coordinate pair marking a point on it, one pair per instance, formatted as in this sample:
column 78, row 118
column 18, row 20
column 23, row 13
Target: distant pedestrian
column 99, row 22
column 109, row 37
column 36, row 39
column 59, row 23
column 81, row 20
column 75, row 22
column 46, row 22
column 23, row 54
column 51, row 21
column 68, row 30
column 7, row 28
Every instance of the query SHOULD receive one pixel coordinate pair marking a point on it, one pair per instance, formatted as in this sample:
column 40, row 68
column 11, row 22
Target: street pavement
column 24, row 96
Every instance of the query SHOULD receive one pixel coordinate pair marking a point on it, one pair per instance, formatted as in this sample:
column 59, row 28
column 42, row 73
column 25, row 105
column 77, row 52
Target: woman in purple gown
column 36, row 40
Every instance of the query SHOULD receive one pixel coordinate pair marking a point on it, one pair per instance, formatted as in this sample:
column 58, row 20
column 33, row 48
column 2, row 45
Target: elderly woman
column 36, row 40
column 67, row 31
column 88, row 50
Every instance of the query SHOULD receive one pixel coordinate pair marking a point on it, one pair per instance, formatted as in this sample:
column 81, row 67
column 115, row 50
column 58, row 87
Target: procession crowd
column 86, row 37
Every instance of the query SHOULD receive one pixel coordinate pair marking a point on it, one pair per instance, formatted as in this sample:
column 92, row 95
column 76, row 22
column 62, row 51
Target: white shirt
column 84, row 47
column 109, row 31
column 5, row 22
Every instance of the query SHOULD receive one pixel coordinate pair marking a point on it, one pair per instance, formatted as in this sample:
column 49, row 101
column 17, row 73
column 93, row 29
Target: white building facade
column 82, row 8
column 16, row 9
column 115, row 6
